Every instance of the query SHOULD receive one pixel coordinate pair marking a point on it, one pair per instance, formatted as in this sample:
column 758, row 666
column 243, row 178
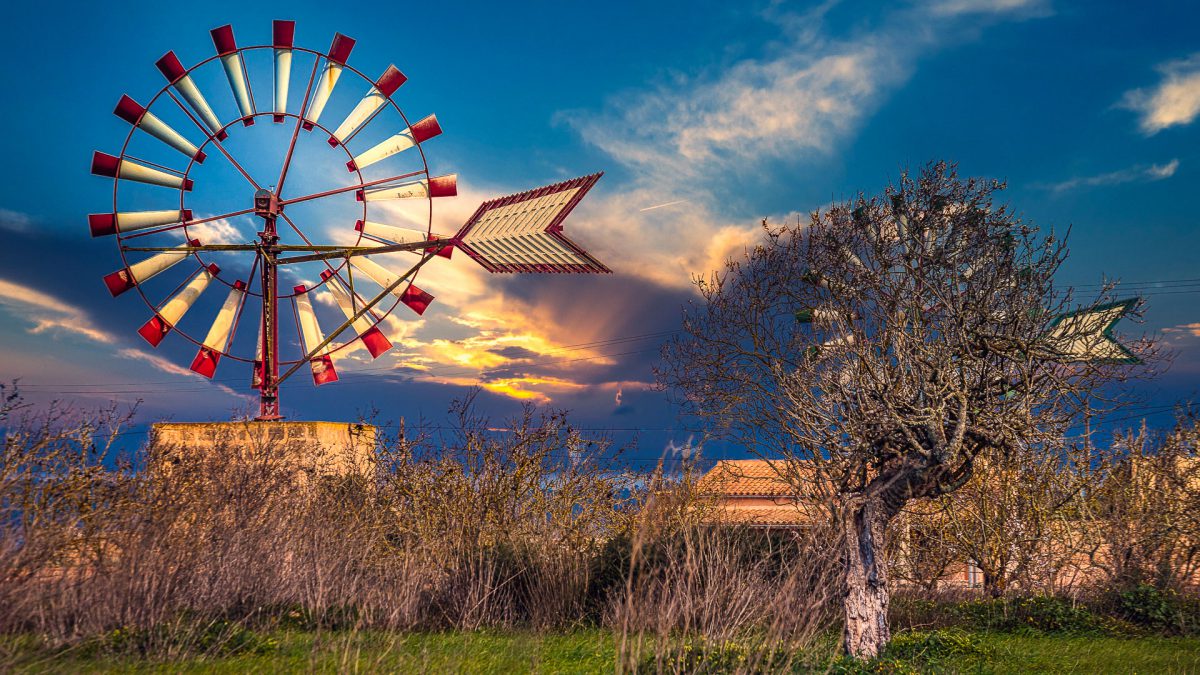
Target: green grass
column 482, row 652
column 1063, row 654
column 594, row 651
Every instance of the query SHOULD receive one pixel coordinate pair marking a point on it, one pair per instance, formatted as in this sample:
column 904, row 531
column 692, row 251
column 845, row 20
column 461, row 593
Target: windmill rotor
column 256, row 237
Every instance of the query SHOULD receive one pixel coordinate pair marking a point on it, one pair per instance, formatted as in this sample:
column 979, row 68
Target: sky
column 705, row 117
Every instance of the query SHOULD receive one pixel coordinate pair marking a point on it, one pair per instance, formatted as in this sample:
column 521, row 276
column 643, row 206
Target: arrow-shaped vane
column 523, row 232
column 1086, row 335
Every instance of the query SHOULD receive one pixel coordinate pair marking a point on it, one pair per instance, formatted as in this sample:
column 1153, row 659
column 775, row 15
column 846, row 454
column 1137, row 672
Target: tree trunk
column 866, row 603
column 994, row 583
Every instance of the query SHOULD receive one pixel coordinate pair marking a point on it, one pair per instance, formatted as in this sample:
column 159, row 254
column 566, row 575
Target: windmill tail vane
column 520, row 233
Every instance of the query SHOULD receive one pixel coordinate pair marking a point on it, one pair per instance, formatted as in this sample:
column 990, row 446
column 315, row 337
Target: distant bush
column 938, row 644
column 183, row 635
column 1156, row 609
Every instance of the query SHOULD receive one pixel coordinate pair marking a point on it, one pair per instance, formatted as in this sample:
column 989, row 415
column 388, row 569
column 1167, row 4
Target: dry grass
column 534, row 528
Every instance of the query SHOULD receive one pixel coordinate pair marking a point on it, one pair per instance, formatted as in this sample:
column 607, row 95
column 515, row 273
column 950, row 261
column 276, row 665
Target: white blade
column 237, row 82
column 311, row 336
column 283, row 71
column 325, row 85
column 173, row 310
column 418, row 133
column 151, row 267
column 376, row 98
column 310, row 330
column 440, row 186
column 131, row 111
column 222, row 326
column 177, row 75
column 129, row 221
column 377, row 273
column 398, row 235
column 282, row 35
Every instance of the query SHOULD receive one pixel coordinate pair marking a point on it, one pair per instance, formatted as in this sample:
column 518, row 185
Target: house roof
column 780, row 516
column 748, row 478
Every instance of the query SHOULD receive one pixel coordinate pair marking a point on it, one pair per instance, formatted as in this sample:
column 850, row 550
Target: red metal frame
column 173, row 70
column 269, row 206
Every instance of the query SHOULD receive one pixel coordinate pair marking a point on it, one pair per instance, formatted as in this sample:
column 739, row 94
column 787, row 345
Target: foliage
column 1161, row 610
column 185, row 635
column 937, row 644
column 1147, row 508
column 882, row 352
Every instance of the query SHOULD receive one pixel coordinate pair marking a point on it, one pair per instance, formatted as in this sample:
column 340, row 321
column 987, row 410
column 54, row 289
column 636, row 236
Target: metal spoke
column 338, row 191
column 357, row 315
column 349, row 251
column 214, row 140
column 287, row 159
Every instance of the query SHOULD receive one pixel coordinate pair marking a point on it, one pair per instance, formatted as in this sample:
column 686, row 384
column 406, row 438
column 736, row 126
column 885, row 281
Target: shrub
column 1163, row 610
column 1037, row 614
column 935, row 645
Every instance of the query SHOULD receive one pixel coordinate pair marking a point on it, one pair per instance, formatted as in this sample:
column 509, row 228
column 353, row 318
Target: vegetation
column 886, row 350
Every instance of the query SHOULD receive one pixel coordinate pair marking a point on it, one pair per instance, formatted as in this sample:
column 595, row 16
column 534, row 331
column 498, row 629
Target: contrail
column 659, row 206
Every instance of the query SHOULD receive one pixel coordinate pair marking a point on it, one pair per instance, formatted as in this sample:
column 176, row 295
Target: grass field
column 595, row 651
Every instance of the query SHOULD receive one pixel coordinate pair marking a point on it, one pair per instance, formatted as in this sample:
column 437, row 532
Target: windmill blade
column 173, row 310
column 311, row 336
column 103, row 224
column 371, row 103
column 126, row 278
column 176, row 74
column 219, row 334
column 133, row 112
column 523, row 232
column 416, row 299
column 283, row 34
column 417, row 133
column 372, row 338
column 339, row 52
column 104, row 164
column 402, row 235
column 438, row 186
column 234, row 71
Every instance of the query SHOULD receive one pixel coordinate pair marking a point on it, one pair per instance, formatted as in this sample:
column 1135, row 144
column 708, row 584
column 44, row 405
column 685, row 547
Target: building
column 757, row 493
column 769, row 494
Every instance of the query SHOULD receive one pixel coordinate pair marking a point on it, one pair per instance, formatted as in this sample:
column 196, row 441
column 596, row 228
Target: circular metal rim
column 318, row 56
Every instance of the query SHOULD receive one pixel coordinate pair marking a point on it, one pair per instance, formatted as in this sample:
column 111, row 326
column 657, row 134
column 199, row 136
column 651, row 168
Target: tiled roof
column 781, row 516
column 748, row 478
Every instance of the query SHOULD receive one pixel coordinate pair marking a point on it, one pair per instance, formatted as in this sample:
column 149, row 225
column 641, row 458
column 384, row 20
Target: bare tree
column 1146, row 512
column 887, row 346
column 1011, row 518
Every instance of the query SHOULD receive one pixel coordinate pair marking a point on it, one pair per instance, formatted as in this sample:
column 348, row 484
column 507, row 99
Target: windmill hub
column 266, row 204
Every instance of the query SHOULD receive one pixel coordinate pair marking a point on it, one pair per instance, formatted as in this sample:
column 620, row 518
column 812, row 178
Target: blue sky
column 718, row 114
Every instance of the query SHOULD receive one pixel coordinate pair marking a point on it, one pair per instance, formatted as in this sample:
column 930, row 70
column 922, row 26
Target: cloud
column 801, row 99
column 1192, row 329
column 219, row 231
column 161, row 364
column 1140, row 172
column 49, row 314
column 14, row 221
column 963, row 7
column 705, row 141
column 156, row 362
column 1174, row 101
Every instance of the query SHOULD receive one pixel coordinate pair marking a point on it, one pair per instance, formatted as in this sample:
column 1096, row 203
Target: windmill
column 169, row 258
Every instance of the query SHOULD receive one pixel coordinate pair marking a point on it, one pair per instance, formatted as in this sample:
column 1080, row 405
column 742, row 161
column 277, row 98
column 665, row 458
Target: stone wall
column 312, row 448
